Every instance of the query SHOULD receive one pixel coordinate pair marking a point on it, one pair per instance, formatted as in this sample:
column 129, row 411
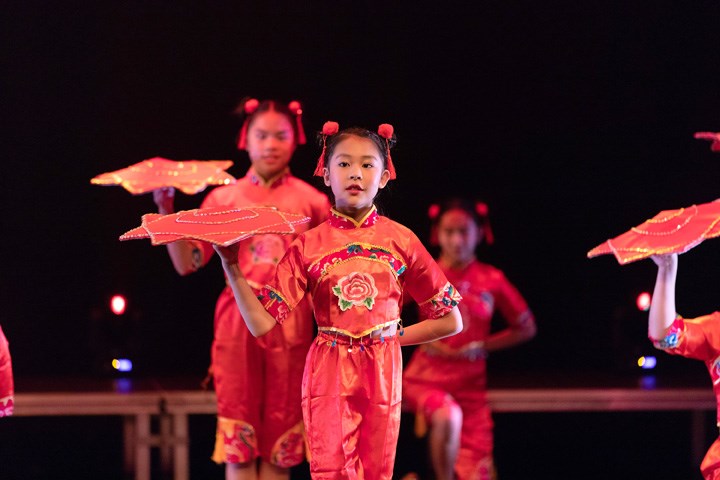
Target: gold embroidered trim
column 361, row 334
column 366, row 246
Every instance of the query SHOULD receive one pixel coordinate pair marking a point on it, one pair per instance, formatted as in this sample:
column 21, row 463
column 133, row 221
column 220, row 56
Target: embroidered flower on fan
column 356, row 289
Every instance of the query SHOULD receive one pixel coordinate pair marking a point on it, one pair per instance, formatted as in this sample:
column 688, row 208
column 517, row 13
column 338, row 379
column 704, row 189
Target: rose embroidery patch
column 356, row 289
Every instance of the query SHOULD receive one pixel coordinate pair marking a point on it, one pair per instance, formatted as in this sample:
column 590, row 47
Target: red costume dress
column 6, row 378
column 453, row 370
column 257, row 381
column 699, row 338
column 351, row 390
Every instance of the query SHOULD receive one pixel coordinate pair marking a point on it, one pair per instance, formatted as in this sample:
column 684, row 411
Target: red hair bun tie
column 295, row 107
column 330, row 128
column 386, row 131
column 250, row 106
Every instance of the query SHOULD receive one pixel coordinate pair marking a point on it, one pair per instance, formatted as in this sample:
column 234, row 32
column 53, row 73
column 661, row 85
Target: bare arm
column 185, row 256
column 429, row 330
column 512, row 335
column 257, row 319
column 662, row 306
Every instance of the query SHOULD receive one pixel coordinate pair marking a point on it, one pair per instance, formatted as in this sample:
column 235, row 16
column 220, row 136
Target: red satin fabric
column 188, row 176
column 324, row 260
column 670, row 231
column 351, row 399
column 430, row 376
column 351, row 405
column 257, row 381
column 710, row 466
column 221, row 226
column 699, row 338
column 7, row 387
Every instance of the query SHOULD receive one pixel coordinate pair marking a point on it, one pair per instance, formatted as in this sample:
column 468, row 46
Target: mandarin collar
column 339, row 220
column 256, row 179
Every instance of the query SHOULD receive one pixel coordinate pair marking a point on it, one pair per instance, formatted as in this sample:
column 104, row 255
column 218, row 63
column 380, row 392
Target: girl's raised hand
column 229, row 254
column 666, row 261
column 164, row 198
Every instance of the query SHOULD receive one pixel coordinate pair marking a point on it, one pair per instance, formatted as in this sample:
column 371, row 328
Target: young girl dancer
column 445, row 380
column 356, row 266
column 697, row 338
column 257, row 381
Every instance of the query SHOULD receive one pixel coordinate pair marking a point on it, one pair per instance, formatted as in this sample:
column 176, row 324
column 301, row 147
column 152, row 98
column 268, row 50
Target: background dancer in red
column 356, row 265
column 7, row 385
column 257, row 381
column 445, row 380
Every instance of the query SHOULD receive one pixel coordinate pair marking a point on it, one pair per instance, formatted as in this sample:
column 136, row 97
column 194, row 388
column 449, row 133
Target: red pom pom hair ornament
column 251, row 105
column 249, row 108
column 329, row 128
column 433, row 212
column 386, row 131
column 482, row 210
column 296, row 109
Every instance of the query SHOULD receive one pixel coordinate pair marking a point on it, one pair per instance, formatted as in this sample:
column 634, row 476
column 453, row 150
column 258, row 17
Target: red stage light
column 643, row 301
column 118, row 304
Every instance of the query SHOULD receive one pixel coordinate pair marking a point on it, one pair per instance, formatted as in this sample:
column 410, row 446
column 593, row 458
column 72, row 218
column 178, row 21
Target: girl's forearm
column 429, row 330
column 257, row 319
column 184, row 257
column 662, row 306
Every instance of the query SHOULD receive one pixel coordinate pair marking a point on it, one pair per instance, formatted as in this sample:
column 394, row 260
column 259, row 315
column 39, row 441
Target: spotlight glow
column 122, row 364
column 647, row 363
column 118, row 304
column 643, row 301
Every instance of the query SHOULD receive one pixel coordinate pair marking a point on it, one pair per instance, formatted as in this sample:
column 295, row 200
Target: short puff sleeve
column 289, row 286
column 697, row 338
column 426, row 283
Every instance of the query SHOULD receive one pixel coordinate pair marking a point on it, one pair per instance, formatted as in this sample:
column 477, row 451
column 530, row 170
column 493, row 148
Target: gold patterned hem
column 364, row 333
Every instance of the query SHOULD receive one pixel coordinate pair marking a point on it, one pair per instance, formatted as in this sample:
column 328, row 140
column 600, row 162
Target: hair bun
column 330, row 128
column 251, row 105
column 386, row 131
column 295, row 107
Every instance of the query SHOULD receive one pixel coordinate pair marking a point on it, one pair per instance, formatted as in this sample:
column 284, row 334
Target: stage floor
column 612, row 436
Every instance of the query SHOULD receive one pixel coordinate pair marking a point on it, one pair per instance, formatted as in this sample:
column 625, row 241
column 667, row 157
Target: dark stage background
column 573, row 120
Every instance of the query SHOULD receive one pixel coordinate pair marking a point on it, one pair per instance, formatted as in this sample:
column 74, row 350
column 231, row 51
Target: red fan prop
column 713, row 137
column 670, row 231
column 188, row 176
column 221, row 226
